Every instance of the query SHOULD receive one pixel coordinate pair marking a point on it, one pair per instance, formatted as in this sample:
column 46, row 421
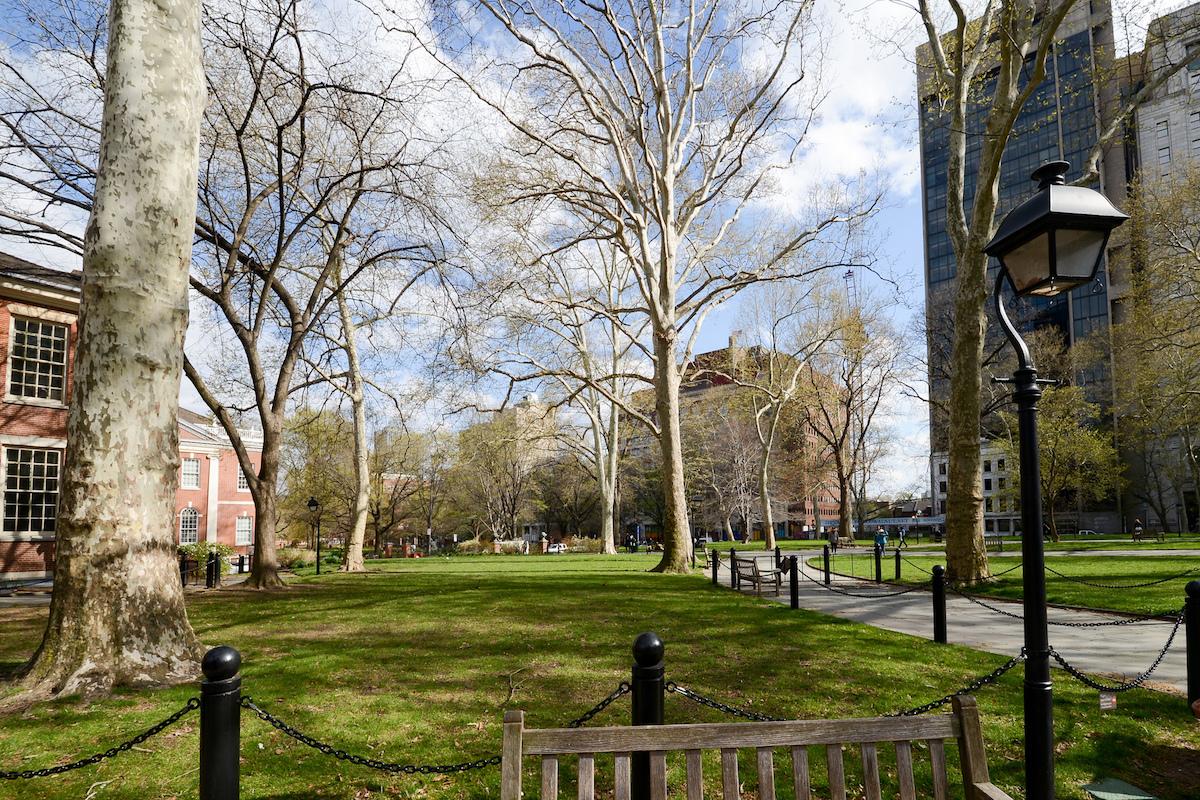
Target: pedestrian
column 1137, row 529
column 903, row 533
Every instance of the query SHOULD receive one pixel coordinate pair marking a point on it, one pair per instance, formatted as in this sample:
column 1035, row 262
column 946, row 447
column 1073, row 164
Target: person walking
column 902, row 535
column 1137, row 529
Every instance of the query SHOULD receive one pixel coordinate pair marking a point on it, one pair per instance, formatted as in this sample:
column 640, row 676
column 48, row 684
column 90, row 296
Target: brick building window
column 189, row 477
column 37, row 367
column 30, row 489
column 243, row 531
column 243, row 484
column 189, row 526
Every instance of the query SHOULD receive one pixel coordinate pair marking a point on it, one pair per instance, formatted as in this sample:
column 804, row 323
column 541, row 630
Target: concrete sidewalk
column 1119, row 653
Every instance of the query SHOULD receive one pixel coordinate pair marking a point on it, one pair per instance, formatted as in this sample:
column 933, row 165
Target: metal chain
column 623, row 688
column 970, row 688
column 385, row 766
column 695, row 697
column 915, row 565
column 913, row 588
column 1121, row 585
column 1124, row 687
column 1107, row 624
column 154, row 730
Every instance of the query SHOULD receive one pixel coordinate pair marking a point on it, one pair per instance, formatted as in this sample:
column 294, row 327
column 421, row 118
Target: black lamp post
column 315, row 508
column 1049, row 244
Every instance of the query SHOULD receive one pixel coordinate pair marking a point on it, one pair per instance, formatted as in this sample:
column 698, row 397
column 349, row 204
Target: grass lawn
column 1161, row 598
column 417, row 661
column 1070, row 544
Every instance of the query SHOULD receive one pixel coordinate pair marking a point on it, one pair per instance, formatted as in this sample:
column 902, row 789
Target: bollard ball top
column 938, row 569
column 1193, row 589
column 648, row 650
column 221, row 663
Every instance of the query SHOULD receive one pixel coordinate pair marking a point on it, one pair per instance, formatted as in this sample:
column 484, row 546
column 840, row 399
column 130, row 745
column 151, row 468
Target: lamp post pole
column 314, row 508
column 1039, row 708
column 318, row 544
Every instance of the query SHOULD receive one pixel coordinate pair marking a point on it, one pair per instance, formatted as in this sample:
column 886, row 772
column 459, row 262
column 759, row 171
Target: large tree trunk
column 676, row 541
column 265, row 572
column 352, row 556
column 117, row 615
column 966, row 555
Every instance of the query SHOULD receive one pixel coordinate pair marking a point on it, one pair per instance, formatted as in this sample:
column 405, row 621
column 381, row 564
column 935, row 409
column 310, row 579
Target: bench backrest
column 794, row 737
column 746, row 567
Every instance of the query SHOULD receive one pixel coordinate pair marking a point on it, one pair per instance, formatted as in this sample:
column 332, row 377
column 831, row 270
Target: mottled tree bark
column 676, row 541
column 117, row 616
column 352, row 557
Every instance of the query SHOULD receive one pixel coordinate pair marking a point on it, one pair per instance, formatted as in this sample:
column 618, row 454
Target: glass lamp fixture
column 1054, row 241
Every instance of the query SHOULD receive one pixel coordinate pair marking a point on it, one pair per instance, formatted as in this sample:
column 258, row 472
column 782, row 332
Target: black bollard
column 939, row 604
column 646, row 700
column 220, row 717
column 716, row 564
column 241, row 563
column 733, row 580
column 778, row 558
column 897, row 565
column 826, row 565
column 208, row 572
column 794, row 568
column 1192, row 638
column 183, row 570
column 878, row 563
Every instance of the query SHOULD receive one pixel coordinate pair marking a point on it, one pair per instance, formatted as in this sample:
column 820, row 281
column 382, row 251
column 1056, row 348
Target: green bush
column 583, row 544
column 199, row 551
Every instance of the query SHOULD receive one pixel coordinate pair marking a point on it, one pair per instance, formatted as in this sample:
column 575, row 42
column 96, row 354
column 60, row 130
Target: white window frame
column 1162, row 142
column 244, row 531
column 243, row 483
column 25, row 532
column 189, row 515
column 183, row 473
column 39, row 319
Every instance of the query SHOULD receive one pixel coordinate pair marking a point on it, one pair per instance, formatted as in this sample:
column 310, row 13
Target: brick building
column 38, row 310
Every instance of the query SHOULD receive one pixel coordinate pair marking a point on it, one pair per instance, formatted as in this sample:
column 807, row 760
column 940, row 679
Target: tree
column 648, row 128
column 317, row 461
column 992, row 65
column 117, row 614
column 1076, row 457
column 848, row 379
column 313, row 172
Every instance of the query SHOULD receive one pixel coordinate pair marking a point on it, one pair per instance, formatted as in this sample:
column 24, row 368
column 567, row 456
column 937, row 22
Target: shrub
column 294, row 557
column 199, row 551
column 582, row 544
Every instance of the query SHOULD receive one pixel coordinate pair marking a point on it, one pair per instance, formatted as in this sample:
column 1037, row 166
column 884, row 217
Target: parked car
column 1085, row 532
column 557, row 547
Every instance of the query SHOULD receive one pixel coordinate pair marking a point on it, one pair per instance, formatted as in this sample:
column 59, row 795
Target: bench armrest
column 989, row 791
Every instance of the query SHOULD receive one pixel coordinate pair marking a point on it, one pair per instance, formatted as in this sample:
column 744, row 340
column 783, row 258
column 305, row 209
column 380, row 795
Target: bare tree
column 651, row 125
column 117, row 615
column 995, row 63
column 307, row 180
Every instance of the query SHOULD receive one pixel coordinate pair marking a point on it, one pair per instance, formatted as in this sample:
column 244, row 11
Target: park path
column 1120, row 653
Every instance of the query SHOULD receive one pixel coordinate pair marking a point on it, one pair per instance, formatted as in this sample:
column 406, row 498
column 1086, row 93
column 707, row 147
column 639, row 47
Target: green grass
column 1163, row 598
column 1071, row 544
column 418, row 661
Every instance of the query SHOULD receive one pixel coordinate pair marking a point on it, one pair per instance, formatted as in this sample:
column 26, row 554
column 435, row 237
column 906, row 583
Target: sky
column 866, row 125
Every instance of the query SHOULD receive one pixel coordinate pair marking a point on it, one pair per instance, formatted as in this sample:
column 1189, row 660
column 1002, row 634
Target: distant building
column 38, row 334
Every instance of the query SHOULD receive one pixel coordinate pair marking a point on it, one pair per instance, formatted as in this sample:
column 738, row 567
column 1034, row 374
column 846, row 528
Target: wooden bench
column 748, row 570
column 793, row 738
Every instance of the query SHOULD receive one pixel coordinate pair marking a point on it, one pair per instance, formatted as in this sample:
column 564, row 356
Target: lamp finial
column 1052, row 173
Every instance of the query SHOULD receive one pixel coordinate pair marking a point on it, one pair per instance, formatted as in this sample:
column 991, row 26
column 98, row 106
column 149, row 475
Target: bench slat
column 713, row 736
column 587, row 776
column 800, row 778
column 621, row 775
column 510, row 767
column 837, row 772
column 549, row 777
column 937, row 758
column 695, row 776
column 908, row 788
column 730, row 787
column 658, row 775
column 766, row 774
column 870, row 759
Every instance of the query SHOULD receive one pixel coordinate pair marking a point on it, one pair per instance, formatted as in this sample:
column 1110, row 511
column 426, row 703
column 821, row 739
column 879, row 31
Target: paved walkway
column 1120, row 653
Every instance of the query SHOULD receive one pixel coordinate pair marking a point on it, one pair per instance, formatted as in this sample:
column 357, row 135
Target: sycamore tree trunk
column 607, row 460
column 676, row 542
column 352, row 556
column 117, row 615
column 265, row 572
column 764, row 494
